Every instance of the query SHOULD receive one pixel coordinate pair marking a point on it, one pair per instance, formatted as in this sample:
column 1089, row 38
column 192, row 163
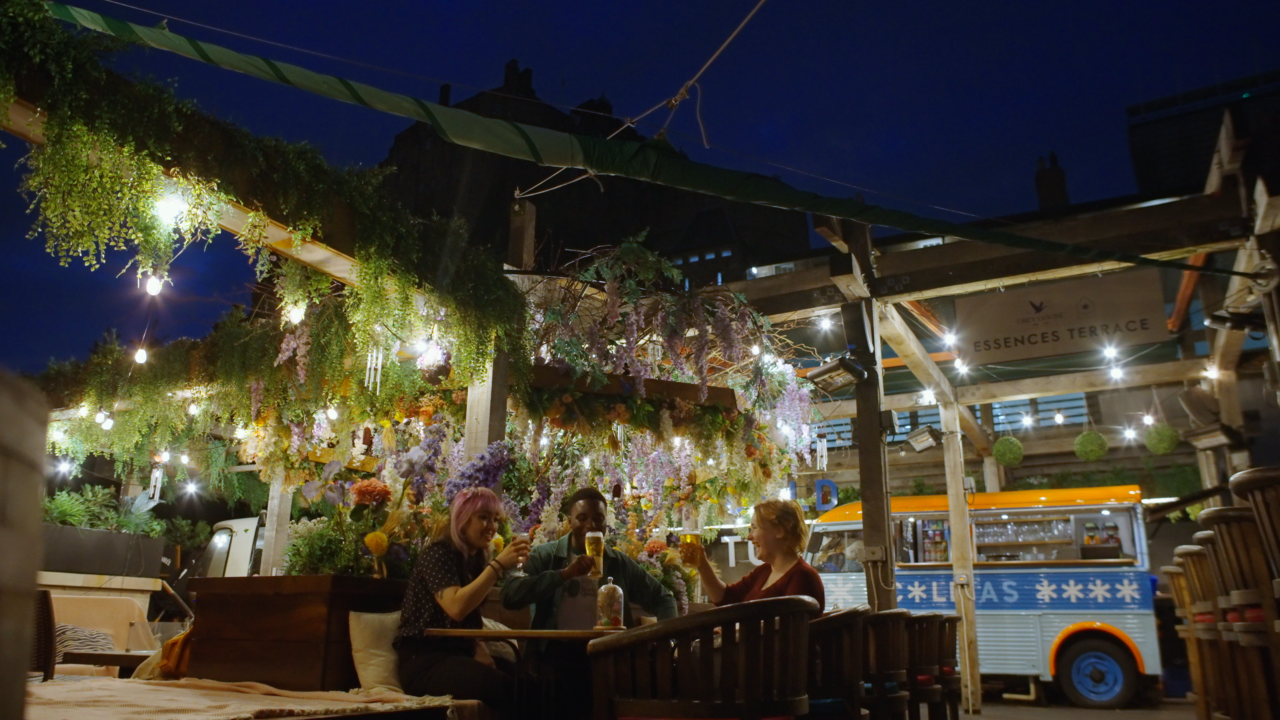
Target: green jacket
column 543, row 588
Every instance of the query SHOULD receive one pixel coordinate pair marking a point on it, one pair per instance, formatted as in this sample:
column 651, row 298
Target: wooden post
column 276, row 533
column 862, row 333
column 962, row 587
column 992, row 475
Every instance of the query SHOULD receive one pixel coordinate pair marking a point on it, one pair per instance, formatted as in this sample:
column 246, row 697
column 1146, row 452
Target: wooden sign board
column 1075, row 316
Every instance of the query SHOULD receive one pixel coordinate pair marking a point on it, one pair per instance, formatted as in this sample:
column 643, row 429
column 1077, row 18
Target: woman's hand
column 514, row 553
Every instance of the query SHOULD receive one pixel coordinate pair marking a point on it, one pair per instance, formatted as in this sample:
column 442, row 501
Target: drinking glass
column 519, row 569
column 595, row 550
column 688, row 541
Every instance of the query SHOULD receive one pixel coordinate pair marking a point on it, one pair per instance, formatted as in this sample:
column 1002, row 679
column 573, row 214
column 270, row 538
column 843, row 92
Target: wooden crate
column 289, row 632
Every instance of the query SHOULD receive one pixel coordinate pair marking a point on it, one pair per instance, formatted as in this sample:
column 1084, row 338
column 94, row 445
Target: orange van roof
column 1119, row 495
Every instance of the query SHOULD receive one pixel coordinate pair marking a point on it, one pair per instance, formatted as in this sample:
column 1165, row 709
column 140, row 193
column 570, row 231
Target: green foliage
column 1091, row 446
column 1008, row 451
column 187, row 535
column 849, row 494
column 1162, row 439
column 66, row 508
column 97, row 508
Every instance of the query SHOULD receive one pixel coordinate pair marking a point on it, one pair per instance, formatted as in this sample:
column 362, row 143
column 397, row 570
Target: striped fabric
column 75, row 638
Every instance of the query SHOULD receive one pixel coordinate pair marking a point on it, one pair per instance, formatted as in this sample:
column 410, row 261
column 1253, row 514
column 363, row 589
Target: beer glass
column 519, row 569
column 595, row 550
column 688, row 540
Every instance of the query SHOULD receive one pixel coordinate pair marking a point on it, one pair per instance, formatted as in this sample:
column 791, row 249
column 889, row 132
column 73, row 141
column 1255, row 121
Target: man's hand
column 579, row 567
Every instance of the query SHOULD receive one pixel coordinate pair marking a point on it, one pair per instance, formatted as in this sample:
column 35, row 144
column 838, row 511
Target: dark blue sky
column 929, row 104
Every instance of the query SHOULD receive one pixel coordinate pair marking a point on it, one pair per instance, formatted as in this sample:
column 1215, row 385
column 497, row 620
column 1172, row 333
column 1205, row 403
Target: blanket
column 99, row 699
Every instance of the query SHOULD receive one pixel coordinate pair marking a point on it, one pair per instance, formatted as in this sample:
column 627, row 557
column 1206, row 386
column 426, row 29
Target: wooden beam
column 1241, row 296
column 1267, row 207
column 1185, row 291
column 1170, row 230
column 961, row 556
column 926, row 316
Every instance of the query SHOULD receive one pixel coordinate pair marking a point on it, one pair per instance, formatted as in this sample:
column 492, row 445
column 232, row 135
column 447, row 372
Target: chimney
column 1051, row 184
column 445, row 90
column 526, row 80
column 511, row 78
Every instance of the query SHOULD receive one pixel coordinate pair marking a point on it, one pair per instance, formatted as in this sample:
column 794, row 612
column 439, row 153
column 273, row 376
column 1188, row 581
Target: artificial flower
column 370, row 492
column 377, row 543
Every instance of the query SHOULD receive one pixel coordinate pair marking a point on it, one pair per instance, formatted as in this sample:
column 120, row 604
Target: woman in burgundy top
column 779, row 535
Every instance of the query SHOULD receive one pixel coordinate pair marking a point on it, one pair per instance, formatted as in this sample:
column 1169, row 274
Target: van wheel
column 1097, row 673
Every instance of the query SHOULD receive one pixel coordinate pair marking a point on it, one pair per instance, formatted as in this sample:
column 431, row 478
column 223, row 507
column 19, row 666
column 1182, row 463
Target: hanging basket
column 1008, row 451
column 1091, row 446
column 1162, row 439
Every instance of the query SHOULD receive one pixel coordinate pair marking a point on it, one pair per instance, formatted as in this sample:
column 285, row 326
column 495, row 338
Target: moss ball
column 1008, row 451
column 1091, row 446
column 1162, row 438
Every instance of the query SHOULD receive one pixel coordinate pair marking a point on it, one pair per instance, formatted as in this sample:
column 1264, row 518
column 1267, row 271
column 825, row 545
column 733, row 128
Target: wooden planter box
column 99, row 552
column 289, row 632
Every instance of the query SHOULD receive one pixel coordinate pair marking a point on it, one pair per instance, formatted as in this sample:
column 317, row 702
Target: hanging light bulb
column 57, row 435
column 1027, row 421
column 193, row 409
column 1211, row 372
column 171, row 208
column 1148, row 420
column 949, row 339
column 1130, row 433
column 331, row 413
column 184, row 458
column 296, row 313
column 1109, row 352
column 1117, row 372
column 1058, row 418
column 928, row 398
column 825, row 323
column 164, row 456
column 100, row 417
column 192, row 488
column 108, row 423
column 140, row 357
column 755, row 349
column 154, row 285
column 83, row 411
column 64, row 467
column 961, row 367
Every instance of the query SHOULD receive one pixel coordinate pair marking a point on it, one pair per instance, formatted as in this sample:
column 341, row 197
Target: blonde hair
column 787, row 516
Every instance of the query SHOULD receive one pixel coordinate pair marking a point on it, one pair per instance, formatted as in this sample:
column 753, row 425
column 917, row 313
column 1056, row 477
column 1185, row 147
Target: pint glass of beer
column 689, row 540
column 595, row 550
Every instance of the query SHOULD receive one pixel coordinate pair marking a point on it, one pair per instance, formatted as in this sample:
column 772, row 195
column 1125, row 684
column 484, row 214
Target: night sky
column 927, row 106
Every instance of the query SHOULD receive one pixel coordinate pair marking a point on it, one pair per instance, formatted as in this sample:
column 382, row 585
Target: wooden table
column 519, row 634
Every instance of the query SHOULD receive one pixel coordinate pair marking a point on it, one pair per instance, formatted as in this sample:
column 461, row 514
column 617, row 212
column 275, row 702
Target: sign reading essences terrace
column 1061, row 318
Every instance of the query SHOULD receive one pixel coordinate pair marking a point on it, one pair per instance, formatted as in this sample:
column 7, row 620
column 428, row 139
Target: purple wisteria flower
column 485, row 471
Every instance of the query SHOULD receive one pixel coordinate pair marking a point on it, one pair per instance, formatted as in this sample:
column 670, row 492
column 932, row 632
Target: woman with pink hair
column 451, row 579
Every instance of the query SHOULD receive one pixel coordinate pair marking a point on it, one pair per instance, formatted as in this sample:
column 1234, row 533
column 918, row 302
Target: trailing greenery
column 97, row 508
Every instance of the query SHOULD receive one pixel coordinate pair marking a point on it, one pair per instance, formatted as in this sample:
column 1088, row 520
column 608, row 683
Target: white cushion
column 498, row 649
column 375, row 659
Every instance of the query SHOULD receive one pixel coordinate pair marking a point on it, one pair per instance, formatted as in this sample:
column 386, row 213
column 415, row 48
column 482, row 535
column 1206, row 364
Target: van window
column 836, row 551
column 213, row 563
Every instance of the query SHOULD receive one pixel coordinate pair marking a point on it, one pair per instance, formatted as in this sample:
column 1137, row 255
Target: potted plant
column 93, row 533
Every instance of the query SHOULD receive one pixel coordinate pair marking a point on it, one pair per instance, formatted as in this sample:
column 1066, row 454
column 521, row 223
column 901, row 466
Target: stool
column 1261, row 488
column 884, row 663
column 1182, row 604
column 1224, row 698
column 949, row 661
column 924, row 635
column 835, row 663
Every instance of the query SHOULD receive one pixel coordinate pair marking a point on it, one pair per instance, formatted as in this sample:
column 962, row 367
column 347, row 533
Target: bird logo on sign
column 1038, row 307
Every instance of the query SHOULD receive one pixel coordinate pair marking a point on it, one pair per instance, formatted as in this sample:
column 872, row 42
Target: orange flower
column 370, row 492
column 655, row 547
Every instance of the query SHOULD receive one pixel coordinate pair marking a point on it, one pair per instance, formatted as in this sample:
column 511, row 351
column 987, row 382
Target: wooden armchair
column 924, row 640
column 835, row 663
column 1261, row 488
column 1215, row 656
column 673, row 669
column 1199, row 695
column 884, row 662
column 43, row 650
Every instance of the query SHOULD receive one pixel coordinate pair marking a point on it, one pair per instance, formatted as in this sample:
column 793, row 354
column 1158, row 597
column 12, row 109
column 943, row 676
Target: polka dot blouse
column 440, row 566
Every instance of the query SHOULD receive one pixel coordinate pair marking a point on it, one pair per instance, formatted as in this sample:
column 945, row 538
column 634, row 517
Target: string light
column 961, row 367
column 140, row 357
column 1109, row 352
column 331, row 413
column 1130, row 433
column 755, row 349
column 184, row 459
column 100, row 417
column 64, row 467
column 193, row 409
column 192, row 488
column 83, row 411
column 825, row 323
column 242, row 433
column 1211, row 372
column 108, row 423
column 171, row 207
column 154, row 286
column 1148, row 420
column 1058, row 418
column 928, row 398
column 949, row 339
column 1117, row 372
column 57, row 435
column 296, row 313
column 1027, row 421
column 164, row 456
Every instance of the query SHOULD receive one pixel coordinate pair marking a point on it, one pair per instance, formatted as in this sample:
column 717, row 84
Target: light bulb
column 101, row 416
column 586, row 462
column 754, row 271
column 928, row 398
column 64, row 467
column 193, row 409
column 949, row 339
column 1117, row 373
column 192, row 488
column 1058, row 418
column 108, row 423
column 1211, row 372
column 545, row 441
column 333, row 414
column 241, row 433
column 57, row 435
column 140, row 357
column 296, row 313
column 755, row 349
column 1027, row 421
column 164, row 456
column 184, row 459
column 1148, row 420
column 1109, row 352
column 825, row 323
column 433, row 355
column 171, row 208
column 961, row 367
column 1130, row 433
column 83, row 411
column 154, row 286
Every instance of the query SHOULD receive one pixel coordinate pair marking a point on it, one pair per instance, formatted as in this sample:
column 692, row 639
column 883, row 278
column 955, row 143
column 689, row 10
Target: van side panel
column 1139, row 627
column 1009, row 644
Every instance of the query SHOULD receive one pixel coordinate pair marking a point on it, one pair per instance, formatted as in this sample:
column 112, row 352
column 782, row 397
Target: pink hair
column 466, row 504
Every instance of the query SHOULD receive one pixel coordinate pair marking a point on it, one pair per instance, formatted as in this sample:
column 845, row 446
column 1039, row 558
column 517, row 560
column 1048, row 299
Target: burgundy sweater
column 801, row 579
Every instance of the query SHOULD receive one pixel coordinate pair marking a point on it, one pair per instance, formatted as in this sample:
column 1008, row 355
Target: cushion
column 499, row 649
column 375, row 659
column 75, row 638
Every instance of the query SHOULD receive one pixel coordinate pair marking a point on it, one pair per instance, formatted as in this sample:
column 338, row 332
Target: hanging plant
column 1162, row 439
column 1091, row 446
column 1008, row 451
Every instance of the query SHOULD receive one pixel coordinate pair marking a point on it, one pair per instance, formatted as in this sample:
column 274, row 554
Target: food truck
column 1061, row 582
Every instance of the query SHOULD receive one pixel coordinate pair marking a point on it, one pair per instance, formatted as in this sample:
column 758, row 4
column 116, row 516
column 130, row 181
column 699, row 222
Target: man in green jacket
column 564, row 598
